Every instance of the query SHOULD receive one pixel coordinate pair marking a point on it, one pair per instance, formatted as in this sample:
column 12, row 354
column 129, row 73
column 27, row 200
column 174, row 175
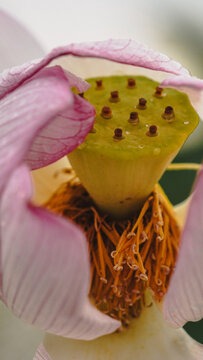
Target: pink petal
column 184, row 299
column 197, row 350
column 41, row 354
column 123, row 51
column 192, row 86
column 45, row 267
column 16, row 43
column 62, row 135
column 33, row 106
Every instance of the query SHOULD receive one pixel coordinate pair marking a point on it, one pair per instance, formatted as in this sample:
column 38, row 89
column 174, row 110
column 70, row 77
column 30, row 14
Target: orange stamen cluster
column 126, row 256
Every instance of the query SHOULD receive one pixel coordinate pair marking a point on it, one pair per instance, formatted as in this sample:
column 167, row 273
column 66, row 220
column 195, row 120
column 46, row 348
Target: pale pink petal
column 17, row 45
column 192, row 86
column 75, row 81
column 62, row 135
column 123, row 51
column 197, row 350
column 184, row 299
column 45, row 266
column 29, row 109
column 41, row 354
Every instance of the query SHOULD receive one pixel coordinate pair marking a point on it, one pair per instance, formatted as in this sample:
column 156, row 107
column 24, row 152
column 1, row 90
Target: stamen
column 142, row 104
column 126, row 256
column 168, row 114
column 118, row 134
column 114, row 96
column 106, row 112
column 131, row 83
column 152, row 131
column 99, row 85
column 134, row 118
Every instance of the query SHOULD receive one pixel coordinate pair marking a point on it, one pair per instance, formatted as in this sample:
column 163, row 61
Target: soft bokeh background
column 174, row 27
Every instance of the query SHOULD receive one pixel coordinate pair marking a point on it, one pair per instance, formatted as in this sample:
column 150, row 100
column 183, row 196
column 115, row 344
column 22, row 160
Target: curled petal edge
column 124, row 51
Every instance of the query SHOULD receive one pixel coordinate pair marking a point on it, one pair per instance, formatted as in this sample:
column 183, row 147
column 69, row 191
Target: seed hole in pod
column 131, row 83
column 134, row 118
column 114, row 96
column 152, row 131
column 118, row 134
column 99, row 85
column 158, row 92
column 106, row 112
column 142, row 104
column 168, row 114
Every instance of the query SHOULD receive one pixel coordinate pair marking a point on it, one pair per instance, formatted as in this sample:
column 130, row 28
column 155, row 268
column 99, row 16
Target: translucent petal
column 41, row 121
column 45, row 267
column 123, row 51
column 184, row 299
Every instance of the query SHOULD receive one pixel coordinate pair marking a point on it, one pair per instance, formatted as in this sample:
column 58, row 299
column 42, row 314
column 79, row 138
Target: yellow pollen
column 126, row 256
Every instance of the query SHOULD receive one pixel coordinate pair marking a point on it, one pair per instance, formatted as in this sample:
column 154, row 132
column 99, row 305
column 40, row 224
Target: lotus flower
column 44, row 268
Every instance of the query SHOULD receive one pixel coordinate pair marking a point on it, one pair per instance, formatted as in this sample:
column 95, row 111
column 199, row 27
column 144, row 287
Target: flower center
column 126, row 256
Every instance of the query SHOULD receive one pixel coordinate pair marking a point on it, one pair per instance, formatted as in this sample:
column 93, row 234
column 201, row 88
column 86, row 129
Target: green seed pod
column 132, row 145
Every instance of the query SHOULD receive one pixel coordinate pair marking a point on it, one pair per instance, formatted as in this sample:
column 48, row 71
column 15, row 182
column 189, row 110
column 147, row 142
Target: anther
column 106, row 112
column 134, row 249
column 143, row 236
column 118, row 134
column 114, row 96
column 113, row 253
column 152, row 131
column 134, row 118
column 153, row 257
column 103, row 280
column 165, row 269
column 137, row 292
column 168, row 114
column 142, row 104
column 159, row 91
column 131, row 83
column 118, row 267
column 133, row 266
column 158, row 282
column 99, row 85
column 114, row 288
column 143, row 277
column 130, row 235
